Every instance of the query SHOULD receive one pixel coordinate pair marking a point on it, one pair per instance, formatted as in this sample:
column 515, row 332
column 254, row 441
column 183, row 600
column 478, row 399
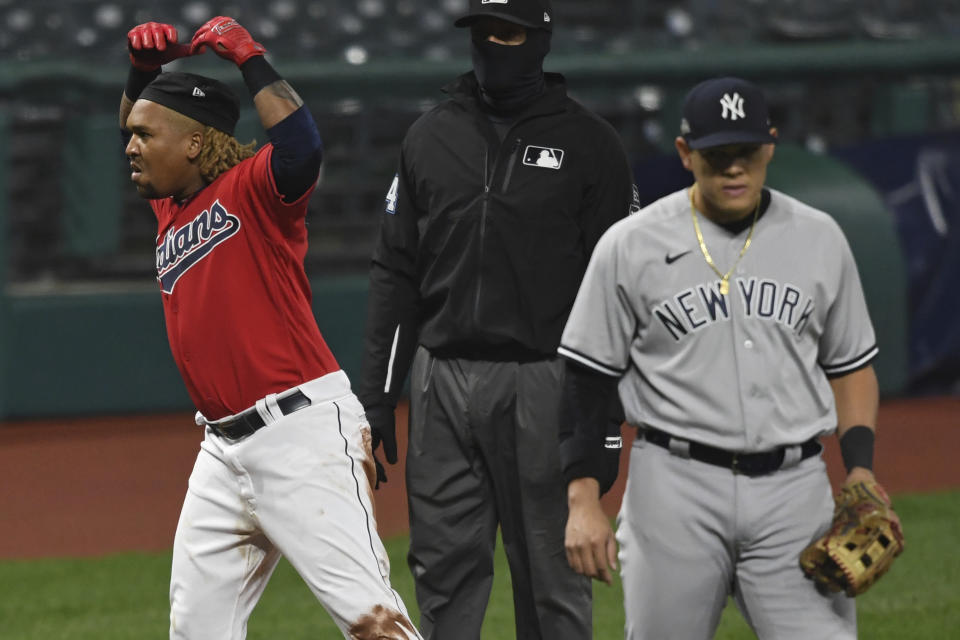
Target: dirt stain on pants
column 383, row 624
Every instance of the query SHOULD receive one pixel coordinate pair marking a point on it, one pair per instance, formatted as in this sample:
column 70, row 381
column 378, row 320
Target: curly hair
column 221, row 152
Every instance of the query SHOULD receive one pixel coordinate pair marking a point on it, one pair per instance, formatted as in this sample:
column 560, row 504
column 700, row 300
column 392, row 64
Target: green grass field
column 125, row 596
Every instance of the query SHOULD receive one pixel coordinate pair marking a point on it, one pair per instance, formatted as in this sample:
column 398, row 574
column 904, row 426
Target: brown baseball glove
column 862, row 542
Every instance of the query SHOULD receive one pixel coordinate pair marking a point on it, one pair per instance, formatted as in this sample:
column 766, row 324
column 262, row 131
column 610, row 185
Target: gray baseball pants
column 483, row 453
column 691, row 533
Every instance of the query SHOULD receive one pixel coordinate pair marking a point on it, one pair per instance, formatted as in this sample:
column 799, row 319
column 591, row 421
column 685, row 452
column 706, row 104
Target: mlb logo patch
column 545, row 157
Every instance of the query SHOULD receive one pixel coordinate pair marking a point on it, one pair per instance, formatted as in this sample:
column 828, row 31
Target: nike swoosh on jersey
column 671, row 259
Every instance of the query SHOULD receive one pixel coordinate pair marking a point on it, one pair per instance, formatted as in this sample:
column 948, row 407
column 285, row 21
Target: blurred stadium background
column 866, row 94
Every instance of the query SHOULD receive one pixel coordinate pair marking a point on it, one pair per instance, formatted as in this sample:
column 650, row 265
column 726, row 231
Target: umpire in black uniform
column 501, row 193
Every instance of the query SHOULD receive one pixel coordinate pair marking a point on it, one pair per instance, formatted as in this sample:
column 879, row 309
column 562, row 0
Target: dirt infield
column 101, row 485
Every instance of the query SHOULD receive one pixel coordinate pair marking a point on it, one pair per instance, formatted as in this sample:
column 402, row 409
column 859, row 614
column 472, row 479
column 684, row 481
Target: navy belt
column 250, row 420
column 748, row 464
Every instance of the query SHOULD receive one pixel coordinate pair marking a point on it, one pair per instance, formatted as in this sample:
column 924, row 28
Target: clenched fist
column 153, row 44
column 227, row 39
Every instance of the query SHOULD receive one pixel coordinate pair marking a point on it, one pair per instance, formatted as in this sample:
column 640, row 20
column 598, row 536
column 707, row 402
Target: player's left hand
column 227, row 39
column 589, row 541
column 862, row 543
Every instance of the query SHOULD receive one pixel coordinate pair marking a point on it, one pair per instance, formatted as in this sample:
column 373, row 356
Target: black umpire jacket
column 483, row 243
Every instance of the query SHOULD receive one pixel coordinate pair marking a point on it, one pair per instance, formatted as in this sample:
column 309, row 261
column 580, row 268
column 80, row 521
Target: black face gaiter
column 511, row 76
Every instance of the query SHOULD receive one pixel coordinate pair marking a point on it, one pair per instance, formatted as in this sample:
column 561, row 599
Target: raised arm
column 297, row 147
column 150, row 45
column 273, row 98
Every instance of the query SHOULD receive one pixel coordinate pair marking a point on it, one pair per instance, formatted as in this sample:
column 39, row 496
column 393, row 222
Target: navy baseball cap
column 725, row 111
column 208, row 101
column 536, row 14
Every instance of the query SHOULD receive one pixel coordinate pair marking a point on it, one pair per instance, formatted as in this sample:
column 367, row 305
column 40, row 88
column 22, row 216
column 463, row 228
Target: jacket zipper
column 483, row 230
column 511, row 164
column 487, row 177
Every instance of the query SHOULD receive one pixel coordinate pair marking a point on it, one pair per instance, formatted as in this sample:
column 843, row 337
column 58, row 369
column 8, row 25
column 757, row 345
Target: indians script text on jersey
column 235, row 295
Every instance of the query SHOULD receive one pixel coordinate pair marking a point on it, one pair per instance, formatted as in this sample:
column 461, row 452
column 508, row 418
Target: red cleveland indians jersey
column 235, row 295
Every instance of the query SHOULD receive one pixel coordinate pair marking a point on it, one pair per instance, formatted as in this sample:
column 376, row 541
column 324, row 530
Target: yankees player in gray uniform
column 731, row 319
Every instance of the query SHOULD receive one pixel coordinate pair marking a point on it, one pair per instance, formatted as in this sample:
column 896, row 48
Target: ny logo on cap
column 732, row 106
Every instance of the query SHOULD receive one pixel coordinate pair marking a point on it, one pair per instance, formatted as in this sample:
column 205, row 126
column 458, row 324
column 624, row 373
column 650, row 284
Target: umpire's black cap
column 725, row 111
column 206, row 100
column 536, row 14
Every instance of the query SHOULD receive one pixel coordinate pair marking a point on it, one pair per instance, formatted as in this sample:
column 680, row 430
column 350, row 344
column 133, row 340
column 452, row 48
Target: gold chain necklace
column 724, row 277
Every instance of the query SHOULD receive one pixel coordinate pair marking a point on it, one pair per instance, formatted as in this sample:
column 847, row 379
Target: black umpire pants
column 484, row 452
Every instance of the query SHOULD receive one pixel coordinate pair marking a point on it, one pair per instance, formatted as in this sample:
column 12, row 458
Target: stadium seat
column 896, row 19
column 810, row 19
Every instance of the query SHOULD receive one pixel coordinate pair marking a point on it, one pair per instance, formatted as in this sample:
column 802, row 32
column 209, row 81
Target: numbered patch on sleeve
column 392, row 195
column 635, row 205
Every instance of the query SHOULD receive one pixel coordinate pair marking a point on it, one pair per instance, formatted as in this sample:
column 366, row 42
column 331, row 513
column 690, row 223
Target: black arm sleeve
column 297, row 146
column 297, row 154
column 392, row 327
column 590, row 413
column 390, row 337
column 257, row 74
column 137, row 81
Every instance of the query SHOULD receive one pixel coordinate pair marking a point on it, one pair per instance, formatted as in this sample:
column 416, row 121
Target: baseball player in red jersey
column 285, row 467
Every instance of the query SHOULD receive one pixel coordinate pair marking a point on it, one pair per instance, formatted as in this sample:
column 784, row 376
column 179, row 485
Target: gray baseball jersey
column 746, row 371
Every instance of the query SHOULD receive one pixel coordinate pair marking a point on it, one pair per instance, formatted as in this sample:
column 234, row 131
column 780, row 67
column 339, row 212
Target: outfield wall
column 102, row 353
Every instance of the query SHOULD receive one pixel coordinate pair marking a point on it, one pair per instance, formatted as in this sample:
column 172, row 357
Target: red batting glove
column 227, row 39
column 153, row 44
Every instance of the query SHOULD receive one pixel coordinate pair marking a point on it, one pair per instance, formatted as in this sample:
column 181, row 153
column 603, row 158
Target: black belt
column 250, row 420
column 748, row 464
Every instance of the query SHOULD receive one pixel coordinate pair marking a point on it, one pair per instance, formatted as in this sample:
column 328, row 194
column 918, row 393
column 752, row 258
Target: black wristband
column 137, row 81
column 856, row 447
column 258, row 73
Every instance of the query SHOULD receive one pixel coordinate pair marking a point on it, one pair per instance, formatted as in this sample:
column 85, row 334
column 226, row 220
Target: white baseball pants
column 297, row 487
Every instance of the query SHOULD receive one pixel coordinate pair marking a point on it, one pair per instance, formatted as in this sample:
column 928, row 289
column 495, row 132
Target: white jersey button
column 748, row 344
